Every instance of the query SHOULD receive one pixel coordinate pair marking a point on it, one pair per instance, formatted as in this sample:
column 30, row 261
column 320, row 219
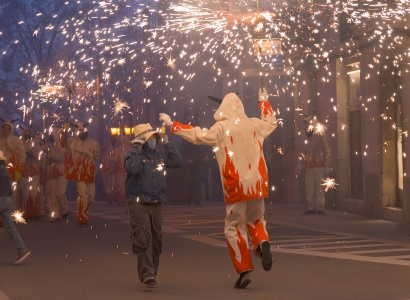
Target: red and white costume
column 14, row 152
column 238, row 145
column 28, row 192
column 80, row 167
column 56, row 157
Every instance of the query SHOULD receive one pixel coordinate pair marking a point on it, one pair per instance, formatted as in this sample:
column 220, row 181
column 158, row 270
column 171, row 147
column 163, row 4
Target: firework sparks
column 18, row 217
column 319, row 129
column 329, row 183
column 119, row 106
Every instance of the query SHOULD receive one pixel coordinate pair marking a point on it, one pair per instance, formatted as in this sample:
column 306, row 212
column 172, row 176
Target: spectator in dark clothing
column 6, row 206
column 196, row 164
column 145, row 188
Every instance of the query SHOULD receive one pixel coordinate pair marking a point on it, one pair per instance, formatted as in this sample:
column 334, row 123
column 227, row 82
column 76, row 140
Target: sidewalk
column 338, row 222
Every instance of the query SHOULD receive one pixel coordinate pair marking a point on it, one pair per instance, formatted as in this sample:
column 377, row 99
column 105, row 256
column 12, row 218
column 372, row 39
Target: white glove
column 263, row 95
column 165, row 119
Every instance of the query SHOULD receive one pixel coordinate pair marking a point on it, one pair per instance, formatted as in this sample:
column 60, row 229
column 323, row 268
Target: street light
column 128, row 130
column 115, row 130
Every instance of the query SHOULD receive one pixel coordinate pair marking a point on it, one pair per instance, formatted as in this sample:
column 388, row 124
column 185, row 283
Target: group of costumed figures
column 237, row 141
column 41, row 168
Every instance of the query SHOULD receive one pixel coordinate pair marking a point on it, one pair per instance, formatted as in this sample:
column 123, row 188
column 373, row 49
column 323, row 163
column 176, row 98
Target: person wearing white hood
column 27, row 193
column 14, row 153
column 55, row 158
column 84, row 152
column 238, row 145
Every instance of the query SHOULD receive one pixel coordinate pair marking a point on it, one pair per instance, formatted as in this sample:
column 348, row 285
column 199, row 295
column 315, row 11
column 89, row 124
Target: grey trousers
column 6, row 206
column 146, row 236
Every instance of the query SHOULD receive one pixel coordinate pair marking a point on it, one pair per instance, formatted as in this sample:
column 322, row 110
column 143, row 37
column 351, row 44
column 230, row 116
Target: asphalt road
column 69, row 262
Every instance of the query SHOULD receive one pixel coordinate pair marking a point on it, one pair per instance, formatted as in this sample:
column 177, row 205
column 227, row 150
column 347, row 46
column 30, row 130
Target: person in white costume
column 27, row 195
column 83, row 155
column 56, row 156
column 316, row 161
column 238, row 145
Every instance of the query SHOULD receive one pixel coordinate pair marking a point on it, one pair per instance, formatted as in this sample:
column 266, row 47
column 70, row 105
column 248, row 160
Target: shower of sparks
column 329, row 183
column 119, row 106
column 18, row 217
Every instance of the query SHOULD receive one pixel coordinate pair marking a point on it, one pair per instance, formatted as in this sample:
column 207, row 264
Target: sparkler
column 18, row 217
column 329, row 183
column 119, row 106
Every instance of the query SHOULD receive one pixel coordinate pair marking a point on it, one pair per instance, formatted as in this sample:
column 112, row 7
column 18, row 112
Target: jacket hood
column 10, row 123
column 231, row 106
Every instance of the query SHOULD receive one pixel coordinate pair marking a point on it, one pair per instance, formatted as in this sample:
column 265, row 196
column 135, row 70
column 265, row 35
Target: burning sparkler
column 329, row 183
column 18, row 217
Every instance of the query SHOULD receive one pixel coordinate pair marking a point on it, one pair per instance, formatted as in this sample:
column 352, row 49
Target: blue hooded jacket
column 146, row 170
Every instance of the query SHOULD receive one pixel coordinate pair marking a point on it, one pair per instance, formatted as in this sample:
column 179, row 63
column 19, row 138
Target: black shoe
column 22, row 257
column 150, row 282
column 266, row 256
column 320, row 212
column 83, row 224
column 243, row 281
column 309, row 212
column 65, row 216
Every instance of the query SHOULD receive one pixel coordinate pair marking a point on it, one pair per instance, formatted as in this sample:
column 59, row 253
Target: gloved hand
column 17, row 176
column 164, row 140
column 263, row 95
column 328, row 169
column 165, row 119
column 66, row 125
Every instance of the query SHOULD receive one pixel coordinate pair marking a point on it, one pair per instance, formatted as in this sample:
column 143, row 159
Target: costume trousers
column 243, row 218
column 108, row 179
column 86, row 194
column 6, row 206
column 45, row 201
column 30, row 196
column 58, row 198
column 315, row 194
column 146, row 236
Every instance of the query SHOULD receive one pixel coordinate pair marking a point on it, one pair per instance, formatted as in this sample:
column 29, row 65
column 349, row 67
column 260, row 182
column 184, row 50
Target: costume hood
column 10, row 123
column 231, row 106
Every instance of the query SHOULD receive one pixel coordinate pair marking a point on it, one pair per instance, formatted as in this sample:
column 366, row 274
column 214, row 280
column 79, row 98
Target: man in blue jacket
column 145, row 191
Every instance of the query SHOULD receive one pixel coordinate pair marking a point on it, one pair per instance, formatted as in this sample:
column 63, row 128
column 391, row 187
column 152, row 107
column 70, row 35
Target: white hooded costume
column 81, row 168
column 56, row 157
column 238, row 145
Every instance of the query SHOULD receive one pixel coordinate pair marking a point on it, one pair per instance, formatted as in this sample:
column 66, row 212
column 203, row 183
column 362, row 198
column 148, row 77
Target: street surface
column 336, row 256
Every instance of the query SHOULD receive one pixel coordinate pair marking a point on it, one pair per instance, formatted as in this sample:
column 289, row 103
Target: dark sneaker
column 309, row 212
column 65, row 215
column 150, row 282
column 22, row 257
column 243, row 281
column 83, row 224
column 266, row 256
column 320, row 212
